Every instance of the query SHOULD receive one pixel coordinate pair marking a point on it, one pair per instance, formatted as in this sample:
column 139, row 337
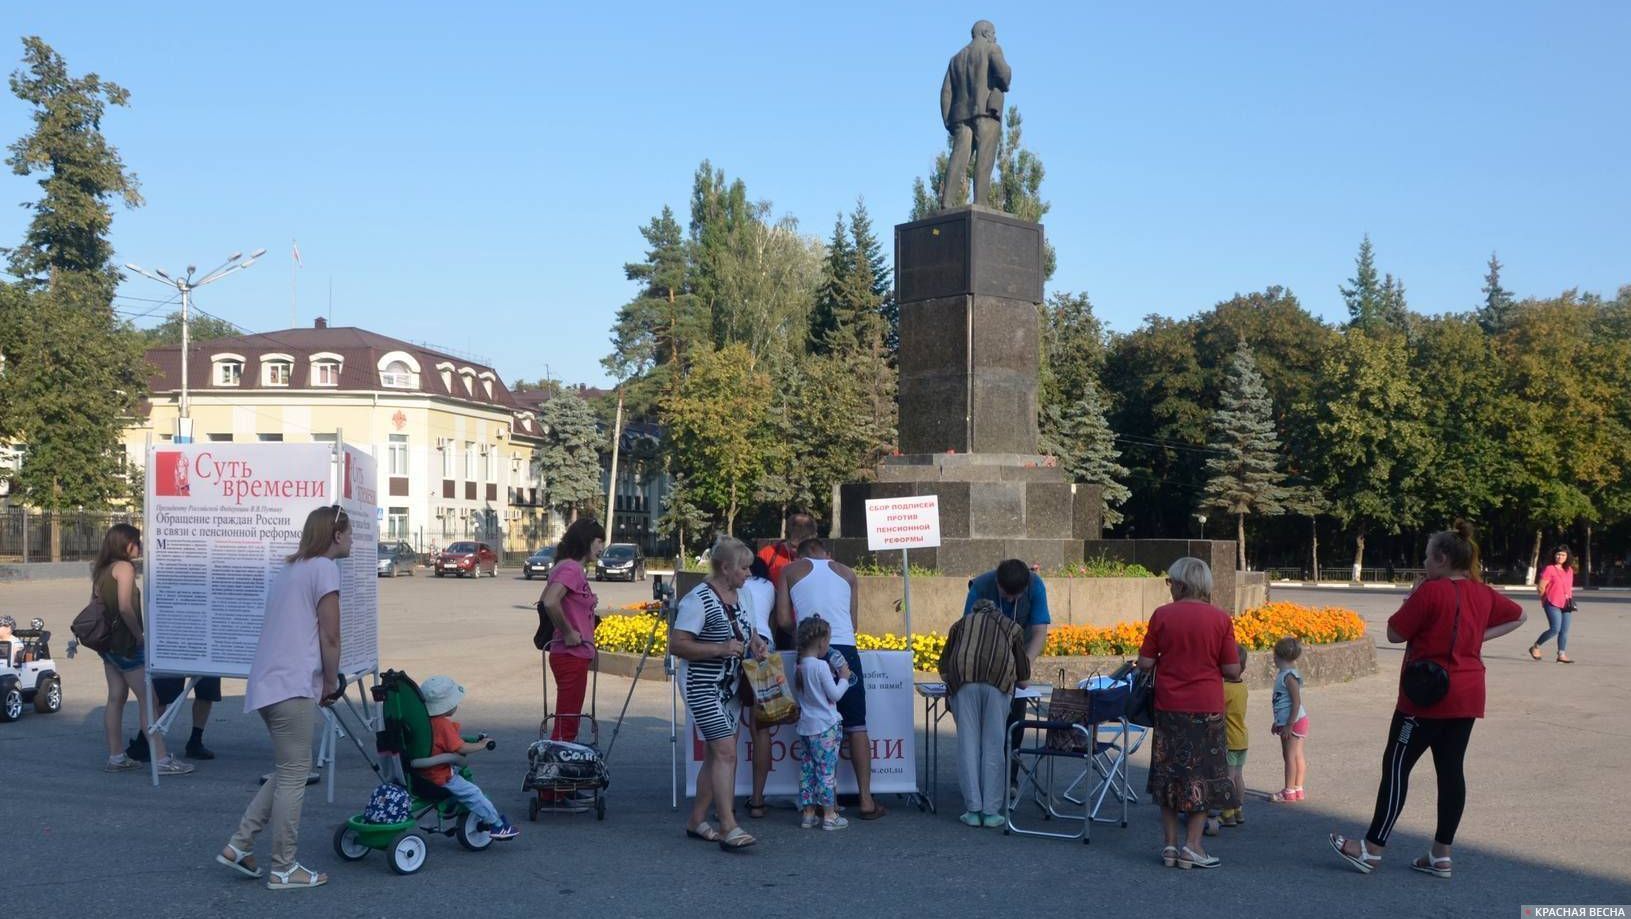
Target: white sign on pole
column 220, row 520
column 903, row 523
column 359, row 572
column 889, row 699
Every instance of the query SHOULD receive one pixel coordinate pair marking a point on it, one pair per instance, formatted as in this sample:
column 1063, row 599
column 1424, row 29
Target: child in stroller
column 442, row 698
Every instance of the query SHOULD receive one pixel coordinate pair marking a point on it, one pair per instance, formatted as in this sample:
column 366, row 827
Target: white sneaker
column 172, row 766
column 120, row 763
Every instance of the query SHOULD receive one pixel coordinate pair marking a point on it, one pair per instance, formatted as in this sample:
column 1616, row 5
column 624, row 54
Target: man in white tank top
column 815, row 585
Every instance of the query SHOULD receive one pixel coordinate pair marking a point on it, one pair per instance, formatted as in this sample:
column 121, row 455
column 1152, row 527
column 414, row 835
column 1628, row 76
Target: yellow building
column 455, row 448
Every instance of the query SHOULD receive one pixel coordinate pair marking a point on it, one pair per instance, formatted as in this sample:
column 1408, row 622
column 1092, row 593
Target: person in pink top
column 296, row 668
column 570, row 605
column 1557, row 599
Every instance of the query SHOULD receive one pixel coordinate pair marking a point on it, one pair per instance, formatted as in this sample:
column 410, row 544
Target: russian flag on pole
column 294, row 252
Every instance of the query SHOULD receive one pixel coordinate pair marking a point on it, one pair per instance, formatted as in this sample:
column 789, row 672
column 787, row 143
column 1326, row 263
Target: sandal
column 1188, row 858
column 1365, row 862
column 704, row 831
column 284, row 880
column 238, row 861
column 1564, row 660
column 1284, row 796
column 1169, row 856
column 736, row 839
column 878, row 810
column 1534, row 651
column 1431, row 864
column 756, row 809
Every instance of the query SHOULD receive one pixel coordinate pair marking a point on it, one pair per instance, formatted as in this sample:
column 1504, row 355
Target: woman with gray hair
column 1191, row 644
column 710, row 634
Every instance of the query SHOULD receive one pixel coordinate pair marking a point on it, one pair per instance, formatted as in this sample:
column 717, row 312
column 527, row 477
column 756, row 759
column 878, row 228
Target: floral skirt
column 1189, row 769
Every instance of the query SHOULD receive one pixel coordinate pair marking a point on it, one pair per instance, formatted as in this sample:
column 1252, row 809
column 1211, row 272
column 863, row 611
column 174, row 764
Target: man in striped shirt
column 984, row 658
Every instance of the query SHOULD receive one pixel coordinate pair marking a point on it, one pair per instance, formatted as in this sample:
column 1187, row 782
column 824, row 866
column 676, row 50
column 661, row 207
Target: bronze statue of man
column 971, row 106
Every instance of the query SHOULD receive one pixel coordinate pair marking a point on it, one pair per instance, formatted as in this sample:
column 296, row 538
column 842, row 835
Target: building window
column 322, row 438
column 219, row 438
column 275, row 373
column 447, row 459
column 398, row 375
column 228, row 373
column 487, row 465
column 398, row 454
column 396, row 523
column 325, row 373
column 470, row 460
column 270, row 438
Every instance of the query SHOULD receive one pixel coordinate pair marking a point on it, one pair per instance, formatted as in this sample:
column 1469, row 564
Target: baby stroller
column 418, row 806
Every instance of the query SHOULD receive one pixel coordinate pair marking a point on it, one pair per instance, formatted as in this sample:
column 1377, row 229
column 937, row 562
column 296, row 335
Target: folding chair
column 1115, row 740
column 1069, row 735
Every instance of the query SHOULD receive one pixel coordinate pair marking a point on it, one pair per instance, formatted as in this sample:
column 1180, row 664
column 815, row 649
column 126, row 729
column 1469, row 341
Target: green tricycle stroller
column 419, row 806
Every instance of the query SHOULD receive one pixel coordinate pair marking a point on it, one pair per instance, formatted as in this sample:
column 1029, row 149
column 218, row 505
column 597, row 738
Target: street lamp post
column 186, row 285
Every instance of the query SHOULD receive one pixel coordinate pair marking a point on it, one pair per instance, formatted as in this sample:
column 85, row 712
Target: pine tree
column 1363, row 293
column 1077, row 433
column 1496, row 313
column 868, row 247
column 653, row 331
column 73, row 372
column 569, row 460
column 829, row 300
column 1245, row 478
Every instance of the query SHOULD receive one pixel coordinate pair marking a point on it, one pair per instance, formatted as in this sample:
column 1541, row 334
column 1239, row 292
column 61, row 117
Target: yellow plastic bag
column 773, row 701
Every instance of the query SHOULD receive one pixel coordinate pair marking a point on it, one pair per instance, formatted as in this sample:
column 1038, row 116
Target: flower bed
column 1258, row 629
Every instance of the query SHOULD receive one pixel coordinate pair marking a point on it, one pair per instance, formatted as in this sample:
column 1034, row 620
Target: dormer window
column 228, row 369
column 325, row 368
column 276, row 369
column 487, row 384
column 397, row 375
column 446, row 371
column 469, row 377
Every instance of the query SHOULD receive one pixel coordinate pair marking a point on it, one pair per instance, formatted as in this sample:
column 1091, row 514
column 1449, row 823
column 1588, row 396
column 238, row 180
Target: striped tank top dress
column 711, row 686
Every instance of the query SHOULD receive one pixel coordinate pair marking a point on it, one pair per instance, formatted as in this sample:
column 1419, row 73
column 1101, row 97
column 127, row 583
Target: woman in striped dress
column 710, row 634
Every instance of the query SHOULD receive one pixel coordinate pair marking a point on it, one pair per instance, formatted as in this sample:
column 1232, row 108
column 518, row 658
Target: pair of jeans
column 1557, row 623
column 278, row 801
column 472, row 797
column 981, row 712
column 571, row 684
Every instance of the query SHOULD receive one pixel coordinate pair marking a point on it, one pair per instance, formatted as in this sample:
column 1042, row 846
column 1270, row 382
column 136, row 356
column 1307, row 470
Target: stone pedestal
column 968, row 284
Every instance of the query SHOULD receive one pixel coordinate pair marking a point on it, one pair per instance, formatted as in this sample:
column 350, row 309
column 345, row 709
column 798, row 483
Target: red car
column 472, row 558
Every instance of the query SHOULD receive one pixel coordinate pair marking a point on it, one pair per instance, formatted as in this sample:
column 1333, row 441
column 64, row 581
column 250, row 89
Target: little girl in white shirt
column 818, row 689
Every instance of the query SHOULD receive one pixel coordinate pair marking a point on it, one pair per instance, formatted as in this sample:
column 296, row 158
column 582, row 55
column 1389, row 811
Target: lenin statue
column 971, row 107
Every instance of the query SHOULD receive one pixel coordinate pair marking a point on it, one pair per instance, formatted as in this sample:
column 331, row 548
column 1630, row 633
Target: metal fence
column 1345, row 573
column 29, row 535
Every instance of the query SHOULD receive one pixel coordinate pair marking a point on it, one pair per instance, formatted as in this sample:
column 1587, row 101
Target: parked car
column 28, row 674
column 397, row 558
column 466, row 557
column 538, row 563
column 621, row 561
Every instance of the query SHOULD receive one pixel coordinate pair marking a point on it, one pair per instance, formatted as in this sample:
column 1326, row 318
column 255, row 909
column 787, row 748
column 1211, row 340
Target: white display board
column 220, row 518
column 903, row 523
column 889, row 700
column 359, row 572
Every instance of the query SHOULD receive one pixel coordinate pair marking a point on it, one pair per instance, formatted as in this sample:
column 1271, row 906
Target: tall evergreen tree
column 1245, row 476
column 1077, row 433
column 73, row 372
column 868, row 247
column 831, row 296
column 1496, row 311
column 653, row 331
column 1363, row 292
column 569, row 460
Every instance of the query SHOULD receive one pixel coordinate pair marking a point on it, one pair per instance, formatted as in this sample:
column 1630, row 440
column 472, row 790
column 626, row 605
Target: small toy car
column 28, row 674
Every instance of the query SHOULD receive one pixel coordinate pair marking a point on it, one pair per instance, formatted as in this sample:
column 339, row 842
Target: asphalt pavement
column 1543, row 822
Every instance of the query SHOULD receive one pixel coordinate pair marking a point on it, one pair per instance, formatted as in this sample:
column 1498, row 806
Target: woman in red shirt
column 1446, row 619
column 1194, row 644
column 1556, row 588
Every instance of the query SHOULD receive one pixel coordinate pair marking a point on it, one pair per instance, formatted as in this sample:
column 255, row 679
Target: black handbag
column 1568, row 605
column 1141, row 698
column 1425, row 682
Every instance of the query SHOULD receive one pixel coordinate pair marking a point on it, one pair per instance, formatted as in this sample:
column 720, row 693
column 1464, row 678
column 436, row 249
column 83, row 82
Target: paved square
column 1544, row 820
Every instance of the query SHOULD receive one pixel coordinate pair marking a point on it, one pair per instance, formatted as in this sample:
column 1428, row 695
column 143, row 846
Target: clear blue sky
column 474, row 175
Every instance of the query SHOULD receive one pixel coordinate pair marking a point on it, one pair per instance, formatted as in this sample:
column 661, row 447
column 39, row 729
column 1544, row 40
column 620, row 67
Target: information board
column 359, row 572
column 903, row 523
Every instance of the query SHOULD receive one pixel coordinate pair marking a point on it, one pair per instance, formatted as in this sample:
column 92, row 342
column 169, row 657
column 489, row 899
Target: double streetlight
column 186, row 285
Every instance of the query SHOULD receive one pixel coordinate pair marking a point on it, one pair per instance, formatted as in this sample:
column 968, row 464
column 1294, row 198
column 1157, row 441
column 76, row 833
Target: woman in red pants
column 570, row 604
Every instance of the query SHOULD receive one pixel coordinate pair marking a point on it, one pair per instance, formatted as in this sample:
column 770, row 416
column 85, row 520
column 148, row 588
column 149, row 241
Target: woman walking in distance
column 1557, row 600
column 1445, row 620
column 297, row 668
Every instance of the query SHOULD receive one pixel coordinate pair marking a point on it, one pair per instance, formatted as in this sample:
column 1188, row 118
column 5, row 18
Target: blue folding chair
column 1115, row 741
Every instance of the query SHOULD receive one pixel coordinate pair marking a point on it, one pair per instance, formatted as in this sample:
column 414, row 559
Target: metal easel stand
column 159, row 726
column 334, row 728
